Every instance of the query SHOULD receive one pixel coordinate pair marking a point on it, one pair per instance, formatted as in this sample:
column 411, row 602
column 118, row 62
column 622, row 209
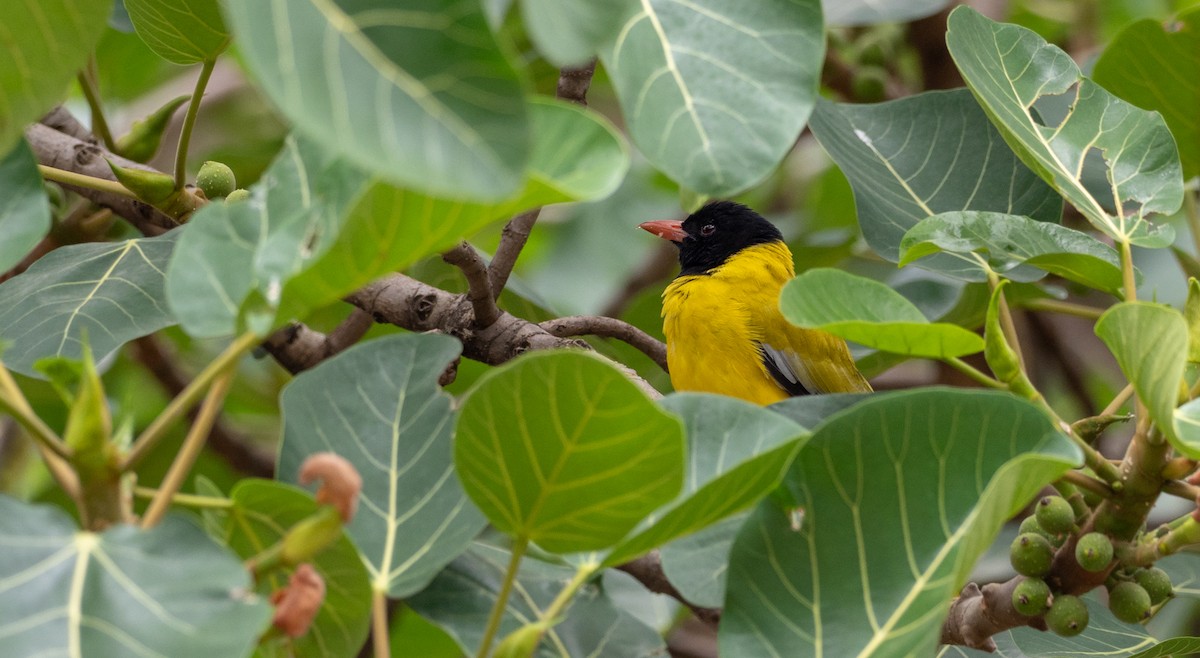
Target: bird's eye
column 707, row 230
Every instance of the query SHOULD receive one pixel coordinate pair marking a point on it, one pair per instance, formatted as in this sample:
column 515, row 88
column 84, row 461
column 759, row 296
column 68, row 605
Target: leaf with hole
column 716, row 93
column 881, row 518
column 1010, row 68
column 112, row 291
column 1017, row 248
column 561, row 449
column 927, row 154
column 378, row 405
column 121, row 592
column 419, row 94
column 868, row 312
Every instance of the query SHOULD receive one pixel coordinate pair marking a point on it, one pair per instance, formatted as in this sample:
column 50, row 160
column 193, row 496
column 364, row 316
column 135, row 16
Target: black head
column 718, row 231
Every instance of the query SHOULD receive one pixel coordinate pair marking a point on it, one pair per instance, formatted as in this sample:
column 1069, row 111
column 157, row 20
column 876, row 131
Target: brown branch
column 234, row 448
column 592, row 325
column 648, row 571
column 61, row 151
column 978, row 614
column 297, row 348
column 61, row 119
column 574, row 81
column 479, row 287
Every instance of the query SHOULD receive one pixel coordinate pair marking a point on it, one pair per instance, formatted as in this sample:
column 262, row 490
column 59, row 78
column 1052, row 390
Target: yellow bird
column 725, row 333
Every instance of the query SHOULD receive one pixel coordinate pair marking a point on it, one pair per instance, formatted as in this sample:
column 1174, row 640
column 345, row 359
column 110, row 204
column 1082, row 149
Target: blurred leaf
column 1191, row 313
column 1104, row 635
column 461, row 597
column 113, row 291
column 1009, row 68
column 261, row 515
column 698, row 563
column 24, row 210
column 1157, row 67
column 378, row 405
column 44, row 44
column 121, row 592
column 868, row 312
column 716, row 93
column 570, row 31
column 1150, row 342
column 927, row 154
column 421, row 95
column 880, row 520
column 413, row 635
column 1019, row 248
column 868, row 12
column 180, row 31
column 737, row 453
column 560, row 448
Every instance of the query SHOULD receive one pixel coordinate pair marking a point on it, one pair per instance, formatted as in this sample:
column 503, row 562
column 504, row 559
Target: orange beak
column 667, row 229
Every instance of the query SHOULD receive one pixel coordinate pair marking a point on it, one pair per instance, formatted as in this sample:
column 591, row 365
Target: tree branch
column 593, row 325
column 297, row 348
column 648, row 571
column 479, row 287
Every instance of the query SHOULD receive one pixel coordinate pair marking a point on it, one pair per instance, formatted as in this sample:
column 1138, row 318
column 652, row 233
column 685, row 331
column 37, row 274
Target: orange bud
column 297, row 604
column 340, row 483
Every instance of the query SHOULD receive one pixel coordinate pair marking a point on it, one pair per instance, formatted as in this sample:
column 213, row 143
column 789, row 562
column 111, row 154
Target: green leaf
column 1104, row 635
column 715, row 93
column 231, row 256
column 1150, row 342
column 24, row 210
column 880, row 520
column 1015, row 247
column 420, row 94
column 461, row 597
column 121, row 592
column 113, row 291
column 1156, row 66
column 378, row 405
column 869, row 312
column 1009, row 68
column 1191, row 313
column 577, row 156
column 737, row 453
column 1176, row 646
column 570, row 31
column 180, row 31
column 931, row 153
column 869, row 12
column 698, row 563
column 560, row 448
column 261, row 515
column 43, row 43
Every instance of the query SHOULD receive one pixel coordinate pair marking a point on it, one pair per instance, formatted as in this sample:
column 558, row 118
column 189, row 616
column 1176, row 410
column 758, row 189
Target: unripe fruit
column 239, row 194
column 1031, row 554
column 1156, row 583
column 1030, row 597
column 1129, row 602
column 216, row 179
column 1094, row 551
column 1055, row 515
column 1030, row 524
column 1067, row 616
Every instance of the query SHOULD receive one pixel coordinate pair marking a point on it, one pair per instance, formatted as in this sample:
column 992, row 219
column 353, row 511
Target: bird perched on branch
column 725, row 333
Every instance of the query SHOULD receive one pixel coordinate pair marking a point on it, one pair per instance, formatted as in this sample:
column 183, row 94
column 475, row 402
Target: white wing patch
column 790, row 367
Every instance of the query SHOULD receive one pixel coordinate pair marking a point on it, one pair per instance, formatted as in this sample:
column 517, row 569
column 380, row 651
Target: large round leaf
column 880, row 521
column 379, row 406
column 419, row 93
column 715, row 93
column 560, row 448
column 180, row 31
column 168, row 591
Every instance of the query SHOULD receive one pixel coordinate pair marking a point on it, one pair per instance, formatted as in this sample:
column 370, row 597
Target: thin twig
column 187, row 500
column 974, row 373
column 350, row 331
column 1182, row 490
column 83, row 180
column 479, row 287
column 594, row 325
column 1084, row 481
column 87, row 83
column 649, row 572
column 1118, row 401
column 1056, row 306
column 189, row 121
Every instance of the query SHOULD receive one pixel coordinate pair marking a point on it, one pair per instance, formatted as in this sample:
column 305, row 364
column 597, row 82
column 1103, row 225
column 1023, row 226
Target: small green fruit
column 239, row 194
column 1030, row 597
column 1068, row 616
column 1156, row 583
column 1030, row 524
column 1031, row 555
column 1094, row 551
column 216, row 179
column 1129, row 602
column 1055, row 515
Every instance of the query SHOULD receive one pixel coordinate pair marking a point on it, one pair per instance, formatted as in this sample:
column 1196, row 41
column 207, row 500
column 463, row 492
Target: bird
column 725, row 333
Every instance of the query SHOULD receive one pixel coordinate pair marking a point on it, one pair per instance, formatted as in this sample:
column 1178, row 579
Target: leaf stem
column 87, row 83
column 1084, row 481
column 186, row 398
column 1006, row 320
column 564, row 597
column 189, row 121
column 13, row 402
column 975, row 374
column 1127, row 271
column 187, row 500
column 379, row 624
column 193, row 443
column 510, row 576
column 83, row 180
column 1117, row 401
column 1067, row 308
